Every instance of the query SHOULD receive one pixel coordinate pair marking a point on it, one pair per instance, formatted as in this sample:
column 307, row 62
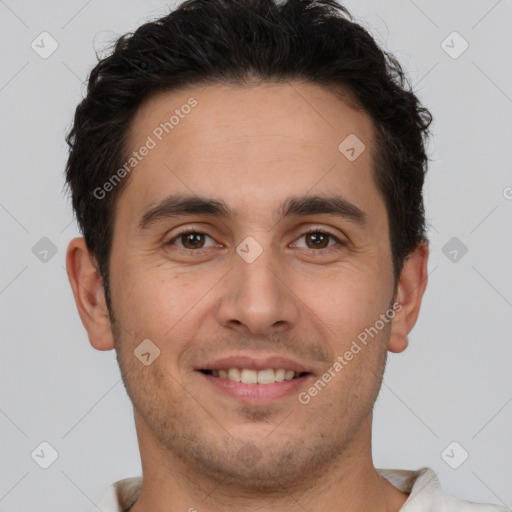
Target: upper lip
column 254, row 363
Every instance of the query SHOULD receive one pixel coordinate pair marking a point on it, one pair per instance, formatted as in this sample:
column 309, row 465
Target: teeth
column 247, row 376
column 266, row 376
column 280, row 375
column 234, row 374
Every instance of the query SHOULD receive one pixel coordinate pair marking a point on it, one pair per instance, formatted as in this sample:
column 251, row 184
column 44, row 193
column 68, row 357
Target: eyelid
column 324, row 231
column 314, row 229
column 186, row 231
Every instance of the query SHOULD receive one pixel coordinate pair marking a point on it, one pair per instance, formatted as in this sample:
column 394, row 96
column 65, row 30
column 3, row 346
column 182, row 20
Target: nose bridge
column 256, row 297
column 257, row 286
column 257, row 269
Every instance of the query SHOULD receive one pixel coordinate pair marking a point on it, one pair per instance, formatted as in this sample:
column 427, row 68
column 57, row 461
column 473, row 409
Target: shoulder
column 426, row 494
column 121, row 495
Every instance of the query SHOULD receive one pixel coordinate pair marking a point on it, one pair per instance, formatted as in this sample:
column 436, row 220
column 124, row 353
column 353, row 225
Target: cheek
column 347, row 302
column 169, row 306
column 149, row 304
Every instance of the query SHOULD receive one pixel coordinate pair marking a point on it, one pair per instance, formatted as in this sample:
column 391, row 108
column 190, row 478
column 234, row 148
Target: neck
column 349, row 482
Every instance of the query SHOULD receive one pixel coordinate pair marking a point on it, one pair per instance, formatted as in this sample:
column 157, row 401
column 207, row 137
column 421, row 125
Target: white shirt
column 425, row 493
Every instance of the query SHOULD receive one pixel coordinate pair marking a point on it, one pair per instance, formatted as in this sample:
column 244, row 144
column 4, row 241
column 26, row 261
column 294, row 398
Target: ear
column 411, row 286
column 87, row 289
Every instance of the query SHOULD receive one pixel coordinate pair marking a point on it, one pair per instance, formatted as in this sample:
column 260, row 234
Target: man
column 248, row 179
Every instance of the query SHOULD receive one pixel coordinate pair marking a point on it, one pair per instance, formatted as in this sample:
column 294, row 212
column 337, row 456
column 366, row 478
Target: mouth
column 249, row 376
column 255, row 381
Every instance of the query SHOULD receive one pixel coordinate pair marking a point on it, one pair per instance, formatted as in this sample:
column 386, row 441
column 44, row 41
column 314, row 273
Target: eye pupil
column 318, row 238
column 194, row 238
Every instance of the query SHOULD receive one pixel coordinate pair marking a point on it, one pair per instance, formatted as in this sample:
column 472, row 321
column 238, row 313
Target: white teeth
column 247, row 376
column 234, row 374
column 288, row 375
column 280, row 375
column 266, row 377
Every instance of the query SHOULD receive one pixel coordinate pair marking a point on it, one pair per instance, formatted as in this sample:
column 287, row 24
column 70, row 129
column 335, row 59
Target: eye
column 316, row 239
column 190, row 240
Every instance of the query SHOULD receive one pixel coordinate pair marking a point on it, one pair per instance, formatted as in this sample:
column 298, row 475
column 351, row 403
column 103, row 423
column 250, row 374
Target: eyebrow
column 179, row 205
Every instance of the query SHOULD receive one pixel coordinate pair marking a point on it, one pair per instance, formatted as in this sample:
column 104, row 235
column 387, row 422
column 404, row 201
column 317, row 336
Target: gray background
column 453, row 383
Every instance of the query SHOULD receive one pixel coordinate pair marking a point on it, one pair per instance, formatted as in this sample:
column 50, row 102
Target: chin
column 260, row 465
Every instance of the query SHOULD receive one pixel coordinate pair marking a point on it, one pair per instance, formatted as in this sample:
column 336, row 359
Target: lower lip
column 257, row 393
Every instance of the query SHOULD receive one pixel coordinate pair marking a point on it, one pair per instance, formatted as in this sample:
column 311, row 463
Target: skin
column 253, row 147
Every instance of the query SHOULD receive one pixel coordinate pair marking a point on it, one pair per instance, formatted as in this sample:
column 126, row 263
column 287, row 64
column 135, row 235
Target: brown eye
column 192, row 240
column 318, row 240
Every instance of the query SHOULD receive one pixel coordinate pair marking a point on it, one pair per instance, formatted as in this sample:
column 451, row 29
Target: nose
column 258, row 297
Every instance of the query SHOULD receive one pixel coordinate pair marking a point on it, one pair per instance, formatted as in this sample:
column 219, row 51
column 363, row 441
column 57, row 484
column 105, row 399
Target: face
column 251, row 279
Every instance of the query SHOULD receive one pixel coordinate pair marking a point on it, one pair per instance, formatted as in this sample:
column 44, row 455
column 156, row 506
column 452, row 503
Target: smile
column 249, row 376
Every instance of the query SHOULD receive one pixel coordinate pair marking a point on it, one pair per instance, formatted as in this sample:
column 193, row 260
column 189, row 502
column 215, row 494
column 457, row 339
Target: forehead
column 251, row 144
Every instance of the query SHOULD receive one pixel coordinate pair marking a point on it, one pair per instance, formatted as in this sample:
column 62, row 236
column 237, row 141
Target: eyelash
column 202, row 250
